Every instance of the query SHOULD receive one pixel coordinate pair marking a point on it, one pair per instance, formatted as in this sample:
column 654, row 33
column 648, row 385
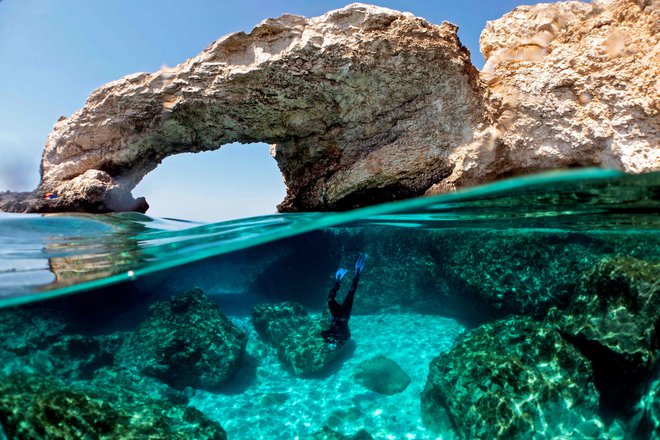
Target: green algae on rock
column 36, row 340
column 614, row 319
column 274, row 322
column 134, row 381
column 618, row 305
column 297, row 338
column 186, row 341
column 37, row 408
column 508, row 379
column 519, row 272
column 381, row 374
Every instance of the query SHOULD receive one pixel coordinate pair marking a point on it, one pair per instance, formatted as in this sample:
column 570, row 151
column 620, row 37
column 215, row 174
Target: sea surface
column 437, row 269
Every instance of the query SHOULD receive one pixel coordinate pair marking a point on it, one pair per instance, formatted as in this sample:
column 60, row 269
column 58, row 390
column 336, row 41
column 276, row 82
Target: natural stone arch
column 365, row 104
column 362, row 105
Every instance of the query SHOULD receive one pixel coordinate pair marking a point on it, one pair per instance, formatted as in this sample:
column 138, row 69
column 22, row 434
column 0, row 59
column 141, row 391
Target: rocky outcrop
column 35, row 407
column 274, row 322
column 365, row 104
column 574, row 84
column 186, row 341
column 296, row 336
column 614, row 319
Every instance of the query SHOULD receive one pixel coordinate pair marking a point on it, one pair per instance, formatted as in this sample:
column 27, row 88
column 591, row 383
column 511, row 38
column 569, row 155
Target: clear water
column 437, row 267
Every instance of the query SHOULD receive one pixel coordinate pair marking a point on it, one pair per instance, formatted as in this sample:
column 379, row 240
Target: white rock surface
column 578, row 85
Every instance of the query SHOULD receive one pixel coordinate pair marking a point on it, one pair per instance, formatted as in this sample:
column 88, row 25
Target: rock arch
column 361, row 105
column 365, row 105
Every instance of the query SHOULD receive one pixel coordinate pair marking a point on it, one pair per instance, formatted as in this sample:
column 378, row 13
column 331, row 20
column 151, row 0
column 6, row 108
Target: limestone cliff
column 573, row 84
column 365, row 104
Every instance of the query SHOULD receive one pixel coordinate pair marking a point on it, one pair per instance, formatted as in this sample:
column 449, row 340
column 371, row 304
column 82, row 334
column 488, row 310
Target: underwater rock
column 305, row 352
column 35, row 340
column 79, row 356
column 615, row 321
column 328, row 434
column 29, row 327
column 297, row 338
column 618, row 305
column 646, row 421
column 506, row 379
column 364, row 104
column 186, row 341
column 274, row 322
column 523, row 273
column 132, row 380
column 381, row 374
column 34, row 407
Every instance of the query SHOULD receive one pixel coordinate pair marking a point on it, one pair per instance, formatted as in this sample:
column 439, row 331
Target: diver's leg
column 333, row 305
column 347, row 306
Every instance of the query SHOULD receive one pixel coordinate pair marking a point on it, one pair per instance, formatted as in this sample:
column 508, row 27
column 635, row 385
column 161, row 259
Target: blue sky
column 54, row 53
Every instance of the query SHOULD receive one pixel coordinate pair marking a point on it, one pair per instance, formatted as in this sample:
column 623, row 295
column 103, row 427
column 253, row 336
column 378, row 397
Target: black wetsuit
column 338, row 333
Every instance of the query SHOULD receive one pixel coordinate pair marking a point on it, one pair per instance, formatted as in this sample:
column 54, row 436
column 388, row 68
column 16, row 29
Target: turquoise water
column 554, row 278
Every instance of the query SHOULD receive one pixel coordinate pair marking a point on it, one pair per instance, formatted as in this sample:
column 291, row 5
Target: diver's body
column 339, row 333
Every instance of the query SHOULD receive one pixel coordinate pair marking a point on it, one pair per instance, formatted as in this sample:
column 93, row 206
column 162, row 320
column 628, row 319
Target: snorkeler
column 338, row 333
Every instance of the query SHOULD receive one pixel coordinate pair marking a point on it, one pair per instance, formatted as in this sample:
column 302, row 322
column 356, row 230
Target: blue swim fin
column 340, row 274
column 359, row 263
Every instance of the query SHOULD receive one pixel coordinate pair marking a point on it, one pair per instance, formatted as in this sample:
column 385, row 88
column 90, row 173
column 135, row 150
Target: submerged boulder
column 615, row 321
column 296, row 336
column 274, row 322
column 34, row 408
column 510, row 379
column 381, row 374
column 186, row 341
column 305, row 352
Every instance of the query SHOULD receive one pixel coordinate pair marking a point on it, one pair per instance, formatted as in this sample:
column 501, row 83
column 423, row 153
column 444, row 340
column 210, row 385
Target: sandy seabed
column 264, row 401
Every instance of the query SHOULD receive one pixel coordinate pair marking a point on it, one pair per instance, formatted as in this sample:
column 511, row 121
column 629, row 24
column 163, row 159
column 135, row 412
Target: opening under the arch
column 233, row 182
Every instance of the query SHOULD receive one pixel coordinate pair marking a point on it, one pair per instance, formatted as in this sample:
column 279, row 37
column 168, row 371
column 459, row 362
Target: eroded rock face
column 573, row 84
column 363, row 104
